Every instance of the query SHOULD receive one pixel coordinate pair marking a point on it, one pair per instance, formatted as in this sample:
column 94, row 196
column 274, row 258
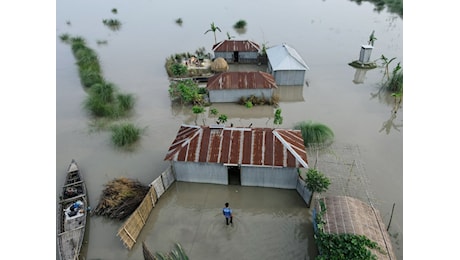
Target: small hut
column 286, row 65
column 237, row 51
column 217, row 154
column 231, row 86
column 219, row 65
column 347, row 215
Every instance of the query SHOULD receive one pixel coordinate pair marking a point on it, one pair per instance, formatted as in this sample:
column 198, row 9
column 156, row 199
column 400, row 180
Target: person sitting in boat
column 76, row 206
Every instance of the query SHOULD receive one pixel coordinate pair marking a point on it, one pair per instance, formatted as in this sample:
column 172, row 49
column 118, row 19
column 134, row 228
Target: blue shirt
column 227, row 212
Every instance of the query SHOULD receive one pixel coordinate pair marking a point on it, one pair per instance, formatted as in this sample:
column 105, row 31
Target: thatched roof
column 219, row 65
column 352, row 216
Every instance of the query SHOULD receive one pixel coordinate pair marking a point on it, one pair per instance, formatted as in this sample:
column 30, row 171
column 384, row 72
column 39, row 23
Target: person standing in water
column 227, row 211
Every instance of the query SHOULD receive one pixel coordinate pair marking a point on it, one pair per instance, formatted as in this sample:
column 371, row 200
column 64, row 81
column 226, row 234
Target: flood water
column 270, row 223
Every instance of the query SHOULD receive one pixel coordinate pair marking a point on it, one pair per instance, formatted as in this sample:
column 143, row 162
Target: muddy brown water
column 269, row 223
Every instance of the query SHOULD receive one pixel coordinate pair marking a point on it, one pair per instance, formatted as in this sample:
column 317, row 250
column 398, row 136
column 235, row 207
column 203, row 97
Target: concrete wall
column 289, row 77
column 201, row 172
column 234, row 95
column 285, row 178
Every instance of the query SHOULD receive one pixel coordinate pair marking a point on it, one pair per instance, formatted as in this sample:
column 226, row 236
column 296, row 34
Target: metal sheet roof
column 239, row 146
column 236, row 45
column 241, row 80
column 284, row 57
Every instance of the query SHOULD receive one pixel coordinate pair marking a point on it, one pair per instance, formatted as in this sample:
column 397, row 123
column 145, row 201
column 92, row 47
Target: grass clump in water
column 113, row 24
column 315, row 133
column 240, row 24
column 125, row 134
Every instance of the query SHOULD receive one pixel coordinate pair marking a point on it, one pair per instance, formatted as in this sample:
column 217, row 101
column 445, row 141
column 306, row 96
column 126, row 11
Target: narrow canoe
column 72, row 214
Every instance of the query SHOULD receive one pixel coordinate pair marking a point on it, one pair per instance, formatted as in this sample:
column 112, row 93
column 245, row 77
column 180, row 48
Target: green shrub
column 315, row 133
column 178, row 69
column 240, row 24
column 125, row 134
column 97, row 107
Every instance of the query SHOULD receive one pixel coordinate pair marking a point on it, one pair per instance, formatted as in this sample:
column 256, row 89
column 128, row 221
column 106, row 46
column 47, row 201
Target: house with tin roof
column 231, row 86
column 237, row 51
column 286, row 65
column 264, row 157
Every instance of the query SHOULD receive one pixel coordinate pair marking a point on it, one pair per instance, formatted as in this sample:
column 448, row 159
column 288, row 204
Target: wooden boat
column 72, row 214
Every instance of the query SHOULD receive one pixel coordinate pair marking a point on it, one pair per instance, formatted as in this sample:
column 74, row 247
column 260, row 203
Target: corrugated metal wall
column 228, row 56
column 234, row 95
column 285, row 178
column 289, row 77
column 243, row 57
column 201, row 172
column 248, row 57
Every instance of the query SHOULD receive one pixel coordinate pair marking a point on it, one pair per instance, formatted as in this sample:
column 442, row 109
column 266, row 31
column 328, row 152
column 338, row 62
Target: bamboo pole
column 391, row 217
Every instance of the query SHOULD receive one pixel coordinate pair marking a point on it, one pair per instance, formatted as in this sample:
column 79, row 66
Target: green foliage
column 98, row 107
column 179, row 21
column 248, row 104
column 278, row 119
column 372, row 38
column 342, row 246
column 125, row 134
column 65, row 37
column 315, row 133
column 178, row 69
column 114, row 10
column 187, row 91
column 125, row 102
column 213, row 29
column 197, row 109
column 395, row 83
column 113, row 24
column 240, row 24
column 104, row 91
column 393, row 6
column 177, row 253
column 89, row 76
column 345, row 246
column 222, row 119
column 254, row 100
column 317, row 181
column 214, row 111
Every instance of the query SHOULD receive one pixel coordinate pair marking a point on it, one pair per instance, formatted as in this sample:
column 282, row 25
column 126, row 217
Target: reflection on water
column 360, row 74
column 390, row 124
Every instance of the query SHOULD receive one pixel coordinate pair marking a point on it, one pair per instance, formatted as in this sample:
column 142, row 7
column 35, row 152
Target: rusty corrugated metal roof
column 241, row 80
column 243, row 146
column 236, row 45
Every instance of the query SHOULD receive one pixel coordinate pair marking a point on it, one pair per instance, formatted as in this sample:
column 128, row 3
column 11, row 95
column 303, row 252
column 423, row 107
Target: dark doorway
column 235, row 56
column 234, row 175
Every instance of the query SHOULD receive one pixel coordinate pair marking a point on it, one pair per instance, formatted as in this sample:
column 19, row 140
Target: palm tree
column 213, row 29
column 372, row 38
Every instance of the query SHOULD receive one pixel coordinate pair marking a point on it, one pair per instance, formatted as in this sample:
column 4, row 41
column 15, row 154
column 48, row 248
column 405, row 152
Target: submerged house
column 286, row 65
column 237, row 51
column 217, row 154
column 347, row 215
column 231, row 86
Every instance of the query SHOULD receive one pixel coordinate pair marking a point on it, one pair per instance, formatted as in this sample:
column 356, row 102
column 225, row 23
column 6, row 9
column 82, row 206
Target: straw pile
column 120, row 198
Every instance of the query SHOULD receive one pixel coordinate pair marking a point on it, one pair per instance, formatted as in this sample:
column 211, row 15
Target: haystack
column 219, row 65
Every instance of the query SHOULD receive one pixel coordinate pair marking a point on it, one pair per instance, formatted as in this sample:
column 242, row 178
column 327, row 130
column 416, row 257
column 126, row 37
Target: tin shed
column 286, row 65
column 231, row 86
column 237, row 51
column 347, row 215
column 217, row 154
